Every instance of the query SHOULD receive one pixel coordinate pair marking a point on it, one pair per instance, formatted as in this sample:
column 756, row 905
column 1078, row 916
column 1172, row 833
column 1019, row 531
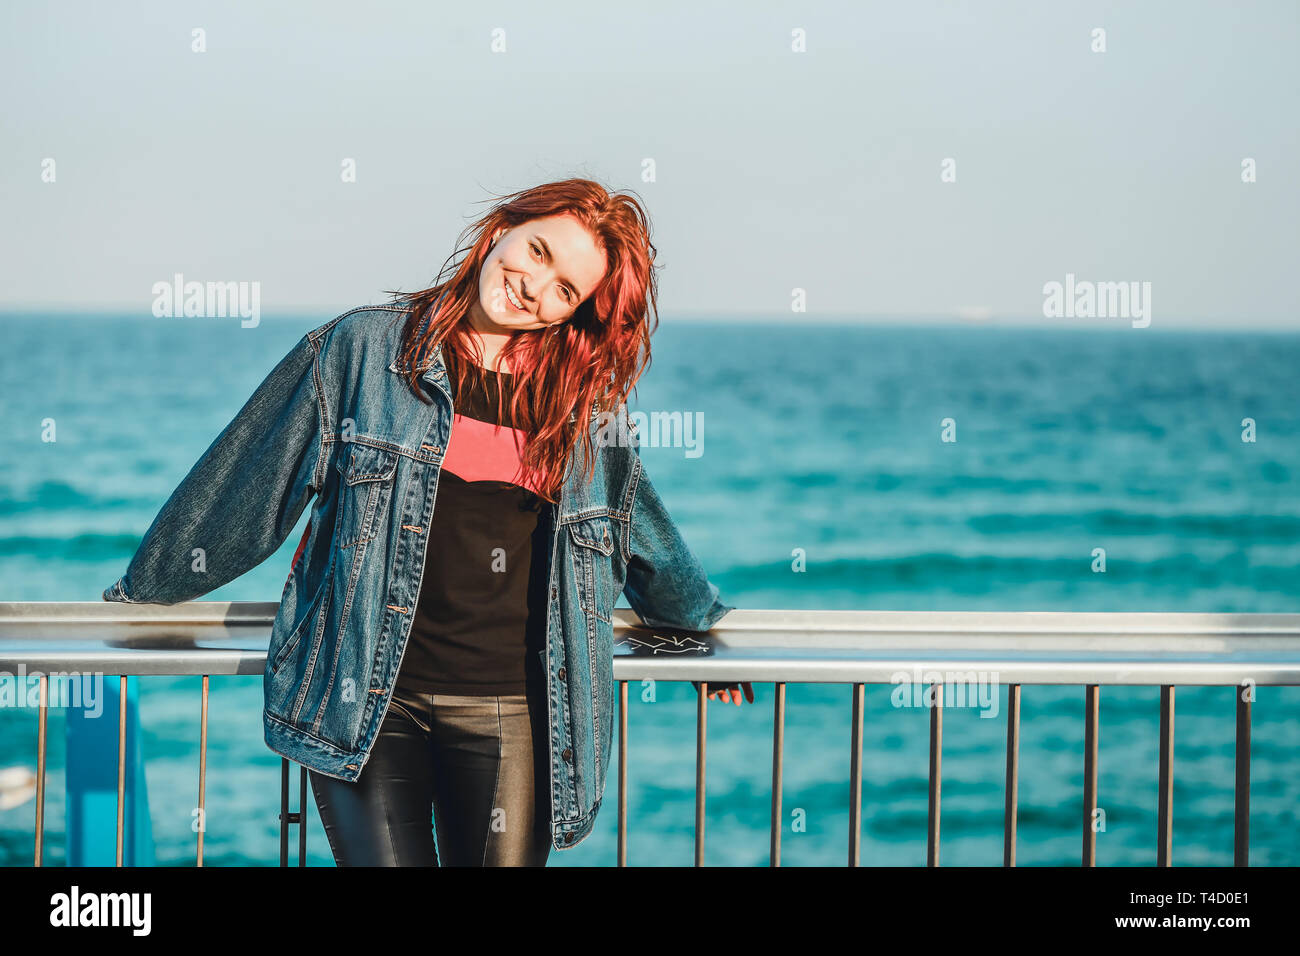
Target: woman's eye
column 568, row 295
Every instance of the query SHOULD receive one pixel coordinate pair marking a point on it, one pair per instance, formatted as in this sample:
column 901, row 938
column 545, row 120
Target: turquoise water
column 821, row 438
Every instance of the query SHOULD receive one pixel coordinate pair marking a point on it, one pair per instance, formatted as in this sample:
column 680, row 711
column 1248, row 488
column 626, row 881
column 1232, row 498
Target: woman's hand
column 729, row 692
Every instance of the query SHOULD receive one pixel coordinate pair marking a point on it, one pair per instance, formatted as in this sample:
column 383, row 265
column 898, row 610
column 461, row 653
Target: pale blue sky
column 775, row 170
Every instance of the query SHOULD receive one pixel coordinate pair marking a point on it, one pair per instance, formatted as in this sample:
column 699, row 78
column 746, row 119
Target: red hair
column 591, row 362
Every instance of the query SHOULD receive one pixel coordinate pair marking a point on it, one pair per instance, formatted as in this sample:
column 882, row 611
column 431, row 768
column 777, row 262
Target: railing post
column 1013, row 776
column 302, row 815
column 701, row 724
column 203, row 766
column 1241, row 810
column 40, row 768
column 855, row 776
column 284, row 811
column 622, row 773
column 121, row 763
column 1165, row 815
column 1092, row 702
column 936, row 773
column 778, row 768
column 287, row 818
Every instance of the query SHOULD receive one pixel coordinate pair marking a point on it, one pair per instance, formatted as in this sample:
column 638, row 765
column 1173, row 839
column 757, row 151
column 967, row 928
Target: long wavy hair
column 586, row 365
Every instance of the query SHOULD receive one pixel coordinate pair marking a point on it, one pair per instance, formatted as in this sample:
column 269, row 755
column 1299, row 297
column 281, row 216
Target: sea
column 833, row 465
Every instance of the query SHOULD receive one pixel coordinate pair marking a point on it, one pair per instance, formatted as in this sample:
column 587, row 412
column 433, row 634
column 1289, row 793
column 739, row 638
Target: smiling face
column 537, row 275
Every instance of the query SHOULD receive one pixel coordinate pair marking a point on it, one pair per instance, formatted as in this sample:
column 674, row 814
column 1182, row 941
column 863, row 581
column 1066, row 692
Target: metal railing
column 759, row 646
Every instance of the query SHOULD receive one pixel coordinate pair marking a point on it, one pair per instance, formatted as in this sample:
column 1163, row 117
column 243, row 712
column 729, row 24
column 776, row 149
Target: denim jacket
column 335, row 425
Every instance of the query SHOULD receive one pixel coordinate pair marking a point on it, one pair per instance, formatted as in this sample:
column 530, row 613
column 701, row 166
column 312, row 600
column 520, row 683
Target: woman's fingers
column 730, row 692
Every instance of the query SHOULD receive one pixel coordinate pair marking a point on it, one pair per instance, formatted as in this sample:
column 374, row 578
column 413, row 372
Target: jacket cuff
column 716, row 613
column 117, row 593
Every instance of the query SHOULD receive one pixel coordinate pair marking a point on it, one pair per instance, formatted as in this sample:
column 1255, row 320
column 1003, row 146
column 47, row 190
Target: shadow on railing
column 963, row 652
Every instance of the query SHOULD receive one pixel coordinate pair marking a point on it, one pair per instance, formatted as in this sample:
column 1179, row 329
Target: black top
column 479, row 626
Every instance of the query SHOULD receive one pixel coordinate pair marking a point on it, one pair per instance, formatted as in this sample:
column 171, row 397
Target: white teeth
column 511, row 296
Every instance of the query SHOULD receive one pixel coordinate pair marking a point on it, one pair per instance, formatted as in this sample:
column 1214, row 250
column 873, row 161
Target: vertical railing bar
column 622, row 773
column 1241, row 810
column 41, row 716
column 936, row 774
column 778, row 769
column 855, row 776
column 1165, row 814
column 1092, row 708
column 1013, row 776
column 121, row 764
column 284, row 811
column 302, row 815
column 203, row 764
column 701, row 721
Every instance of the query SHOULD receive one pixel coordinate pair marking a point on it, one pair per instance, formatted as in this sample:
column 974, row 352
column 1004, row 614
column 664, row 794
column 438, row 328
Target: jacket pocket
column 367, row 474
column 593, row 565
column 303, row 626
column 593, row 543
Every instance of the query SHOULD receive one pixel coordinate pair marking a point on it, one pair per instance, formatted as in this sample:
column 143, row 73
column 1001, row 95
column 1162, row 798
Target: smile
column 511, row 296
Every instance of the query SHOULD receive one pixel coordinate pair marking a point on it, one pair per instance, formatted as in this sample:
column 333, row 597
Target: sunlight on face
column 537, row 275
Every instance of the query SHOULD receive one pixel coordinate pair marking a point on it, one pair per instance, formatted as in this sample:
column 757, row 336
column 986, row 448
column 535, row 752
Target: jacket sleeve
column 666, row 585
column 242, row 499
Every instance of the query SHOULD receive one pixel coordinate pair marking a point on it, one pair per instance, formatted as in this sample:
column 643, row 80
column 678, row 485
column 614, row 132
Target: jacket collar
column 435, row 370
column 432, row 365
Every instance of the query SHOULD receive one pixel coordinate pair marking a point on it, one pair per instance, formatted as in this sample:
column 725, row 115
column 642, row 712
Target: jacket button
column 555, row 592
column 568, row 754
column 560, row 675
column 568, row 838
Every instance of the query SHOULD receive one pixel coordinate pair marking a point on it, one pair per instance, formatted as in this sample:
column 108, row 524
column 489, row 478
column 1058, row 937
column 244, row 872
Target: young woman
column 443, row 644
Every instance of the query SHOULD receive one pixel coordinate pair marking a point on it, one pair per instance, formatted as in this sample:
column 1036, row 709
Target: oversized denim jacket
column 334, row 424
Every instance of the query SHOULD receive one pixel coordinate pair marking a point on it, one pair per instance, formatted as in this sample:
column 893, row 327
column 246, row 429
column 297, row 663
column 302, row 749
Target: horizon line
column 951, row 319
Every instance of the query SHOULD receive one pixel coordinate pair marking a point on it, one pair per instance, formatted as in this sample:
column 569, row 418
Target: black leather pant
column 478, row 764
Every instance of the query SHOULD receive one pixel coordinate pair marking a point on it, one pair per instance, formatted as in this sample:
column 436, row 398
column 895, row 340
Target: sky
column 791, row 155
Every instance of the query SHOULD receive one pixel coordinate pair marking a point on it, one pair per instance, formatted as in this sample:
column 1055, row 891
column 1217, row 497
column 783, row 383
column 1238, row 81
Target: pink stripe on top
column 482, row 451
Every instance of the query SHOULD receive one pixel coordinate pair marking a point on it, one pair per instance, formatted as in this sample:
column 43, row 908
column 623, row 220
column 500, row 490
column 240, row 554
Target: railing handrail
column 758, row 645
